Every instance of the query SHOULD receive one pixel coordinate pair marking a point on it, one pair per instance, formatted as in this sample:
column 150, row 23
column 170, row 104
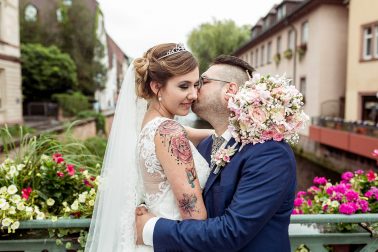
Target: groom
column 249, row 201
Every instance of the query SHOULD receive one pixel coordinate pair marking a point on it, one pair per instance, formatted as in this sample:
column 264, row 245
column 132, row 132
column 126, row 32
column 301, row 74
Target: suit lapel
column 212, row 176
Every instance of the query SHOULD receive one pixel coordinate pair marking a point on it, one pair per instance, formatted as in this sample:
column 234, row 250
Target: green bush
column 72, row 104
column 96, row 145
column 100, row 119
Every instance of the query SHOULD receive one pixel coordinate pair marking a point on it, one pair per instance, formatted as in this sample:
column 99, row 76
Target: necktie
column 217, row 142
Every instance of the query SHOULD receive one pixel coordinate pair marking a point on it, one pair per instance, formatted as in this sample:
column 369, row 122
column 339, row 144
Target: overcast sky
column 137, row 25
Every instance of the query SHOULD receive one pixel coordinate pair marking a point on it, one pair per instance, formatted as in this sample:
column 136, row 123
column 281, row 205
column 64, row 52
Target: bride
column 149, row 157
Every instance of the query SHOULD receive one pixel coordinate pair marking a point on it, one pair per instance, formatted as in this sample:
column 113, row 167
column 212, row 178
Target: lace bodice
column 155, row 182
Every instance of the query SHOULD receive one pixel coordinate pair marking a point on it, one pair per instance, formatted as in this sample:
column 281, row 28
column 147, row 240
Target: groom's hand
column 141, row 217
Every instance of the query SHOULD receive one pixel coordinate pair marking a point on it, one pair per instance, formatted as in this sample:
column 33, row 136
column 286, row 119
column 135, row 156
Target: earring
column 159, row 98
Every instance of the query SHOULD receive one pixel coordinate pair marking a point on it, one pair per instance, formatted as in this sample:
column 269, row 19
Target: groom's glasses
column 204, row 80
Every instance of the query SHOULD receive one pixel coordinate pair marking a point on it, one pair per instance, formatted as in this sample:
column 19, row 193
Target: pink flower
column 301, row 194
column 26, row 192
column 351, row 195
column 364, row 205
column 86, row 182
column 278, row 137
column 372, row 192
column 359, row 172
column 320, row 180
column 348, row 208
column 57, row 157
column 298, row 202
column 70, row 168
column 370, row 176
column 297, row 211
column 309, row 202
column 257, row 114
column 60, row 174
column 347, row 176
column 226, row 159
column 375, row 153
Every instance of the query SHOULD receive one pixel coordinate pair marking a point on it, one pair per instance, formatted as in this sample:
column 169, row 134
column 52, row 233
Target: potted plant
column 301, row 50
column 288, row 53
column 277, row 58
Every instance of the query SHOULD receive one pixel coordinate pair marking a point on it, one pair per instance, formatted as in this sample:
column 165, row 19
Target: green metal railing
column 311, row 230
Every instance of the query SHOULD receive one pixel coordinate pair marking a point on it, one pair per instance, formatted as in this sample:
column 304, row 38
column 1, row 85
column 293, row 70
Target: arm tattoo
column 192, row 175
column 188, row 204
column 176, row 140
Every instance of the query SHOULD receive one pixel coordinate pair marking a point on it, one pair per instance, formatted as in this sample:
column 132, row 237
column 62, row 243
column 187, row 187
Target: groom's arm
column 266, row 178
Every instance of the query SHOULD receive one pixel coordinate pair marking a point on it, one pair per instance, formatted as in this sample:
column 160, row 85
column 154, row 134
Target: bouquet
column 266, row 108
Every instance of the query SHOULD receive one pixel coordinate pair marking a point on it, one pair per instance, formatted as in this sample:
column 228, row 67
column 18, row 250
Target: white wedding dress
column 158, row 195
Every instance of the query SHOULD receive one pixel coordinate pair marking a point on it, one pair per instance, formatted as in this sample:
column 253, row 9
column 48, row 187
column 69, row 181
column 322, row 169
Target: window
column 281, row 12
column 376, row 41
column 59, row 15
column 269, row 52
column 367, row 46
column 290, row 40
column 279, row 44
column 257, row 58
column 302, row 88
column 2, row 87
column 262, row 55
column 31, row 13
column 370, row 108
column 304, row 33
column 67, row 2
column 251, row 58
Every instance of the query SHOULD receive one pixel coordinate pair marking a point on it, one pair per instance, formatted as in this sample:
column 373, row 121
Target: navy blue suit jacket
column 249, row 203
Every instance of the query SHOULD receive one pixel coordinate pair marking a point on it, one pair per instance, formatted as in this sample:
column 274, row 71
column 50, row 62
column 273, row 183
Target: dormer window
column 31, row 13
column 281, row 12
column 67, row 2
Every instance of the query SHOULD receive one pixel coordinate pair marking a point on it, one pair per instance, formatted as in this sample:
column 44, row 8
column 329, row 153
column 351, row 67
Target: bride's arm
column 174, row 153
column 197, row 135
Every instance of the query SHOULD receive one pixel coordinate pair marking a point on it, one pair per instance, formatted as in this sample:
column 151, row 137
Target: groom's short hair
column 236, row 65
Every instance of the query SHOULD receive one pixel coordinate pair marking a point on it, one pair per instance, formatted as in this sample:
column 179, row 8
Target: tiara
column 179, row 48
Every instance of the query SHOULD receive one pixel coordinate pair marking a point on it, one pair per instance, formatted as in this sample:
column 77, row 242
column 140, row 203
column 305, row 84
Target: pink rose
column 257, row 114
column 181, row 148
column 26, row 192
column 60, row 174
column 70, row 168
column 320, row 180
column 370, row 176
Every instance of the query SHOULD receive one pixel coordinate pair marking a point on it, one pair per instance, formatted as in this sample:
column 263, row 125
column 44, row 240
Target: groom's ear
column 155, row 86
column 232, row 88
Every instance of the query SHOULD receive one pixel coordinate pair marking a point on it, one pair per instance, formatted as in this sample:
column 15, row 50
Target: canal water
column 306, row 170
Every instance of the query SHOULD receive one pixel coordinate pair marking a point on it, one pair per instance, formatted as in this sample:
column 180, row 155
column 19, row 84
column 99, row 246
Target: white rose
column 2, row 202
column 6, row 222
column 82, row 198
column 6, row 206
column 16, row 198
column 40, row 216
column 75, row 205
column 92, row 191
column 21, row 206
column 3, row 189
column 15, row 225
column 29, row 209
column 12, row 210
column 50, row 202
column 335, row 203
column 12, row 189
column 91, row 202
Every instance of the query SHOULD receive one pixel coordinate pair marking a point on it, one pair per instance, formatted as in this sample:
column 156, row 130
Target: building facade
column 307, row 40
column 10, row 66
column 362, row 67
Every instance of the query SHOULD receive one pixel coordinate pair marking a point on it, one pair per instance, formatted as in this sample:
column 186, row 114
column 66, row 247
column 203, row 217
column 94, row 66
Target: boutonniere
column 223, row 157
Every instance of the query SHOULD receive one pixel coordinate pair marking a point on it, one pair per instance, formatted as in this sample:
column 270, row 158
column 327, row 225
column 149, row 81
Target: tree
column 74, row 34
column 212, row 39
column 46, row 70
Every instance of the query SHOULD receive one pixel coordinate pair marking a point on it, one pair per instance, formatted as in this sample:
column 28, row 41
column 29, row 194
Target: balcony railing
column 312, row 230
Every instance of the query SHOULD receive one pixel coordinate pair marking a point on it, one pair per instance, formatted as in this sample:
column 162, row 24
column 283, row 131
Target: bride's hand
column 141, row 218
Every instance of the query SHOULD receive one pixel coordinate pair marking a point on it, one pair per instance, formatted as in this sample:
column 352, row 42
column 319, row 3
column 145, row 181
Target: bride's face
column 180, row 92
